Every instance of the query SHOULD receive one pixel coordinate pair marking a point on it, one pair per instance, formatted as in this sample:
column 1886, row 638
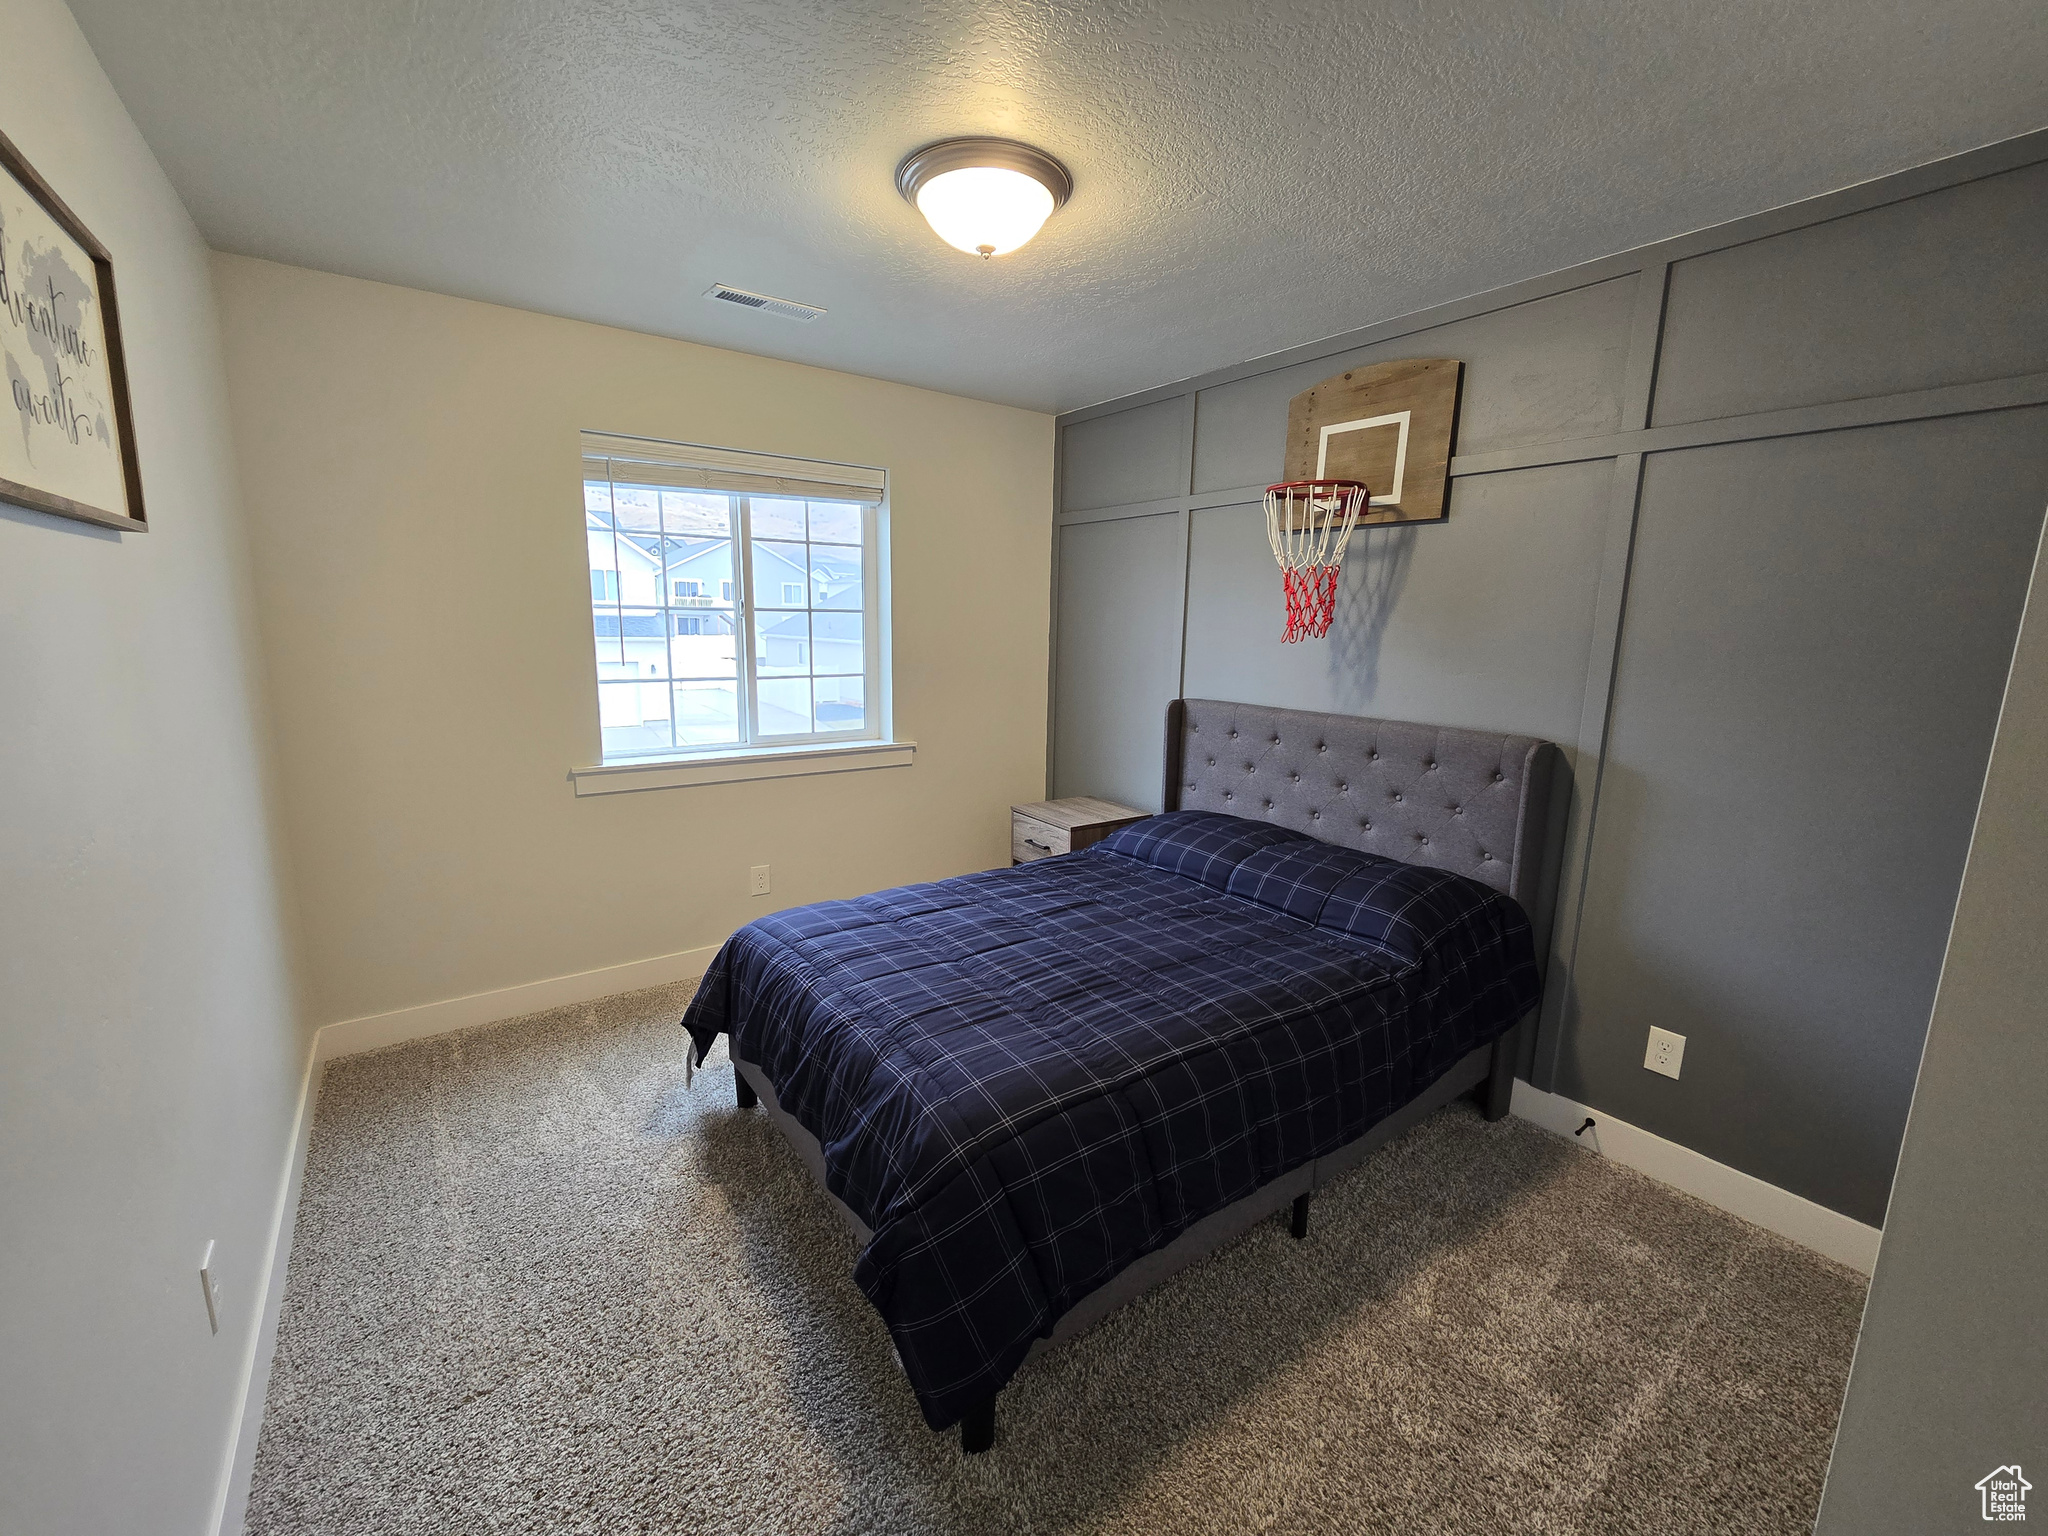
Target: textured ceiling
column 1247, row 177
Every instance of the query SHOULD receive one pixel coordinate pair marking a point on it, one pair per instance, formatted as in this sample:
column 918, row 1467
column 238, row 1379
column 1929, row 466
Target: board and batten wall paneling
column 1817, row 637
column 1137, row 455
column 1424, row 614
column 1117, row 655
column 1791, row 357
column 1944, row 288
column 1550, row 368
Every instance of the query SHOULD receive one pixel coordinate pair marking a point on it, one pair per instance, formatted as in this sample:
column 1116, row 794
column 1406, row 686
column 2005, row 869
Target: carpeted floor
column 539, row 1286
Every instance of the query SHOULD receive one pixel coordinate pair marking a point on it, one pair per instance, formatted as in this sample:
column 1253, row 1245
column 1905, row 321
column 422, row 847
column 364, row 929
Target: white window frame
column 871, row 631
column 760, row 753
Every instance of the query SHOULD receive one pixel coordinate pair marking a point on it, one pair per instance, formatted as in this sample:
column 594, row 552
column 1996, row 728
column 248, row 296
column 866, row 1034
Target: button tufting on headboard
column 1307, row 761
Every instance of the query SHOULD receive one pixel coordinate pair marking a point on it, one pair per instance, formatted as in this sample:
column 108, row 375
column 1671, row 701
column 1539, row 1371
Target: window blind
column 690, row 467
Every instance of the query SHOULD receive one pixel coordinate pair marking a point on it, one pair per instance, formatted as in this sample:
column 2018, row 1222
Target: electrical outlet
column 209, row 1283
column 757, row 880
column 1665, row 1053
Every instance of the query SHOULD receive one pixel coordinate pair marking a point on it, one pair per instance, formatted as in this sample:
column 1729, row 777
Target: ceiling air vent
column 789, row 309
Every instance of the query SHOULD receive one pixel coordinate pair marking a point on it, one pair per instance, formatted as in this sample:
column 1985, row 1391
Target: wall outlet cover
column 757, row 880
column 1666, row 1052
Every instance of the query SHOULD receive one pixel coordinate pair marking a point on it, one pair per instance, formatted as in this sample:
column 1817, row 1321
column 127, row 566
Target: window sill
column 743, row 763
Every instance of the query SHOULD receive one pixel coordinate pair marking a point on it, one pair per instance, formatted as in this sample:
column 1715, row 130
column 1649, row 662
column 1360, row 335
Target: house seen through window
column 733, row 598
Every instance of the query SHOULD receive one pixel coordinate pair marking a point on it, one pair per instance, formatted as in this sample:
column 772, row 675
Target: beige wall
column 411, row 466
column 150, row 1058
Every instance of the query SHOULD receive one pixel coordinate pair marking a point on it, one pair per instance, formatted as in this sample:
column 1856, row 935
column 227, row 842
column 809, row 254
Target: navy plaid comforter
column 1025, row 1079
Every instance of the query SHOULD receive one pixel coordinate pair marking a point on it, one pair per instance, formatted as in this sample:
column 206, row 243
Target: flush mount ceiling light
column 984, row 196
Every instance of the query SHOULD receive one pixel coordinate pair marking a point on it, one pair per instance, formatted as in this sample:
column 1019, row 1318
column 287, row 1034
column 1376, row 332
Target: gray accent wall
column 1117, row 657
column 1947, row 1384
column 1817, row 635
column 1742, row 521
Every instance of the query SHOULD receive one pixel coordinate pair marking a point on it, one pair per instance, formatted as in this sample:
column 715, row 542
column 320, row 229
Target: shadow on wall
column 1374, row 573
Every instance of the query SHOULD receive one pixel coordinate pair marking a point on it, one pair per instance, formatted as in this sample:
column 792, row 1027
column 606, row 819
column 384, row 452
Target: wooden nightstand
column 1046, row 827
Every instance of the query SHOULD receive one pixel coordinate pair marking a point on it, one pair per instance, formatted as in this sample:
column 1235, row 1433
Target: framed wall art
column 67, row 443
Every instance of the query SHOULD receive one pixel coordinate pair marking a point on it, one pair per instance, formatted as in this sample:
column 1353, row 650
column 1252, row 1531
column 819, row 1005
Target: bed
column 1033, row 1093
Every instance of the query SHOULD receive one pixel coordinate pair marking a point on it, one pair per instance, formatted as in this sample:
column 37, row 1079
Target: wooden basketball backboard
column 1388, row 424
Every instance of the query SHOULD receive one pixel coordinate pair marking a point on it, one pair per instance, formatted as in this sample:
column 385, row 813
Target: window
column 795, row 659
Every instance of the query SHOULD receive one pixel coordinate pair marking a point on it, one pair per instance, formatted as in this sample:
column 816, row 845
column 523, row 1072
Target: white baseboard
column 1826, row 1232
column 351, row 1037
column 348, row 1038
column 231, row 1503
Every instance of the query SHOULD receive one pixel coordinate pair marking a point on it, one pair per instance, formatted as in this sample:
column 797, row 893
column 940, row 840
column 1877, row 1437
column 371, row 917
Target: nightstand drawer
column 1043, row 828
column 1033, row 839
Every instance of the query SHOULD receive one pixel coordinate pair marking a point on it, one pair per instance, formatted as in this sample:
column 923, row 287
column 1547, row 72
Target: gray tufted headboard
column 1477, row 802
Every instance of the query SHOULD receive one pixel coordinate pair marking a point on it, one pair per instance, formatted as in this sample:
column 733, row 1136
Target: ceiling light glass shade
column 984, row 196
column 984, row 209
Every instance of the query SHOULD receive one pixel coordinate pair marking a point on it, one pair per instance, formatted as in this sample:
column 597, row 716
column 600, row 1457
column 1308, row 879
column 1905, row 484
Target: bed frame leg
column 1500, row 1081
column 744, row 1090
column 978, row 1427
column 1298, row 1227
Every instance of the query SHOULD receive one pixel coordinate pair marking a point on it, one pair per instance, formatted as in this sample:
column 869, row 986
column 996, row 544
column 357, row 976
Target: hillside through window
column 732, row 598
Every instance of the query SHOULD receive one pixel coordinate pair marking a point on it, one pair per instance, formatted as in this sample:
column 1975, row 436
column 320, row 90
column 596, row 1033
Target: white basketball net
column 1308, row 524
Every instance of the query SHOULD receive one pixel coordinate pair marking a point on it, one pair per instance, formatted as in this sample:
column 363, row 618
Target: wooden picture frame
column 69, row 446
